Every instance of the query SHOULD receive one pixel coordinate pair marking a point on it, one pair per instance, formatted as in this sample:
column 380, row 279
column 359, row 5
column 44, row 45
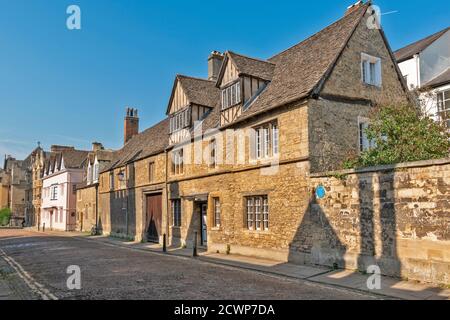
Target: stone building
column 232, row 160
column 236, row 165
column 4, row 189
column 87, row 191
column 21, row 188
column 37, row 173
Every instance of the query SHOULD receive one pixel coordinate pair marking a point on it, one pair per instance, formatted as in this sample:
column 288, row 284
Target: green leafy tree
column 402, row 134
column 5, row 216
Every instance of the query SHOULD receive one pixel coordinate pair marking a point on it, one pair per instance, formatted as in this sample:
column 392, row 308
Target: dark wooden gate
column 154, row 217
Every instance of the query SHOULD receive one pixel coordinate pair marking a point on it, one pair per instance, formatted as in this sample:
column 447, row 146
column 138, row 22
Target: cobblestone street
column 40, row 261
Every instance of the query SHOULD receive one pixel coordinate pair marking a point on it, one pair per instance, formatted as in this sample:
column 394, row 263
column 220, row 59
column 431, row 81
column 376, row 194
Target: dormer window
column 231, row 95
column 180, row 120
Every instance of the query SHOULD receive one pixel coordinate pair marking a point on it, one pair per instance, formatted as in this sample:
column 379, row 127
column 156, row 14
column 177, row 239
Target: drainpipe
column 416, row 57
column 96, row 209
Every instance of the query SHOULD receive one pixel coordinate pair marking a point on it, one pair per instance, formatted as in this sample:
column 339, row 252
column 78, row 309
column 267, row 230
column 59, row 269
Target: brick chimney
column 131, row 127
column 354, row 7
column 215, row 60
column 97, row 146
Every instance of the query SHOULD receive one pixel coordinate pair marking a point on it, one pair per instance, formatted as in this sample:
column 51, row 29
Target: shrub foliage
column 402, row 134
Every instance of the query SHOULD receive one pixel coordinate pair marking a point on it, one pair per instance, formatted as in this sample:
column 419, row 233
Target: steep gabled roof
column 247, row 66
column 417, row 47
column 73, row 159
column 198, row 91
column 147, row 143
column 302, row 69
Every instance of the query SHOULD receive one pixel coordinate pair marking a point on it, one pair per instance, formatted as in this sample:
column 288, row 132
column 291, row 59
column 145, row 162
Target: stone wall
column 86, row 208
column 346, row 79
column 397, row 217
column 334, row 132
column 122, row 206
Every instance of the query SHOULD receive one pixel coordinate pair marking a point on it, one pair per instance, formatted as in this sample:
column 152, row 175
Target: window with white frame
column 443, row 104
column 266, row 141
column 217, row 220
column 96, row 172
column 180, row 120
column 177, row 162
column 89, row 174
column 54, row 192
column 176, row 213
column 371, row 70
column 257, row 211
column 231, row 95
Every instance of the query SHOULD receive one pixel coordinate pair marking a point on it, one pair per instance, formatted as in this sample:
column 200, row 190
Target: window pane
column 250, row 213
column 275, row 139
column 266, row 133
column 258, row 213
column 238, row 92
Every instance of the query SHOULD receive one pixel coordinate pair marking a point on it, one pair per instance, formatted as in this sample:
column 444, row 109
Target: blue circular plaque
column 321, row 192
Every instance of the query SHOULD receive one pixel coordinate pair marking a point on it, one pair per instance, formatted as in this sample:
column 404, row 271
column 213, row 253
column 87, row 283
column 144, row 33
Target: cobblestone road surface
column 111, row 272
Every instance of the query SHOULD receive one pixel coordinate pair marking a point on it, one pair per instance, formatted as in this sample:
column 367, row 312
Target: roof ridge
column 194, row 78
column 368, row 4
column 252, row 58
column 425, row 38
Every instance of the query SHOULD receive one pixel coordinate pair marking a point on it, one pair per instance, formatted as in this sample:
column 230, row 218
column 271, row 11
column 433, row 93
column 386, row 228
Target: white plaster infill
column 394, row 167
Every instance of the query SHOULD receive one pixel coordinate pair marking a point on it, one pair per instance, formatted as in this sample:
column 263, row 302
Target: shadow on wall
column 123, row 208
column 316, row 242
column 378, row 224
column 331, row 228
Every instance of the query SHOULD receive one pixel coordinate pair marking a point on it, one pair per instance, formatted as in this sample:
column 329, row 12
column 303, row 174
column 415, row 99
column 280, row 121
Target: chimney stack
column 215, row 60
column 354, row 7
column 131, row 127
column 97, row 146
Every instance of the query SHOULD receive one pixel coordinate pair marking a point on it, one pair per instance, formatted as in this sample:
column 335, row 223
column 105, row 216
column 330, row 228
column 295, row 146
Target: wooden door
column 154, row 217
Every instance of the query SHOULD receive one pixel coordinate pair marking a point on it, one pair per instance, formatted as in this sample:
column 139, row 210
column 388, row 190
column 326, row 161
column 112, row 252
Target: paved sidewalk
column 391, row 287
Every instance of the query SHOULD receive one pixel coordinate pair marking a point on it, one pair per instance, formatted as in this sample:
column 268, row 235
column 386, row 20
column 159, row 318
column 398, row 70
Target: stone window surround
column 263, row 213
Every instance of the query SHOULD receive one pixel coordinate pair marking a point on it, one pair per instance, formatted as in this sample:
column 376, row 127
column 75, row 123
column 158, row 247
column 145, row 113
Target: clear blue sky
column 71, row 87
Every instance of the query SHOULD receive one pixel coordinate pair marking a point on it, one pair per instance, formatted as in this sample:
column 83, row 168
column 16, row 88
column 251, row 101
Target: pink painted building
column 62, row 173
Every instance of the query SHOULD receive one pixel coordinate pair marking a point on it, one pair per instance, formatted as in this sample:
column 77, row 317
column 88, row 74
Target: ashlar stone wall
column 396, row 217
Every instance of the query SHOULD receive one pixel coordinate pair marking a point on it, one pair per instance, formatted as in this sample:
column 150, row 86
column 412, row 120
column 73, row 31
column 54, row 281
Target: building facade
column 229, row 168
column 4, row 189
column 62, row 174
column 37, row 173
column 87, row 191
column 425, row 64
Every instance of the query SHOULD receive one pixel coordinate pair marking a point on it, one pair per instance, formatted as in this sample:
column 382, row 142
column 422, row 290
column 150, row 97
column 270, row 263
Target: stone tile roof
column 301, row 69
column 418, row 46
column 147, row 143
column 251, row 66
column 294, row 73
column 199, row 91
column 443, row 78
column 73, row 159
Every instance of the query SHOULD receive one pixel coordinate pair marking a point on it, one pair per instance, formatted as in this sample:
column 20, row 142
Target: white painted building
column 425, row 64
column 63, row 172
